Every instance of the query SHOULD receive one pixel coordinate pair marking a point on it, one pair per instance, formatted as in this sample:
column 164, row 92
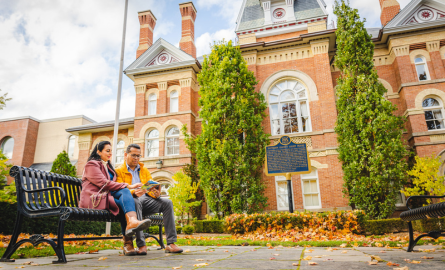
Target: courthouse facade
column 290, row 47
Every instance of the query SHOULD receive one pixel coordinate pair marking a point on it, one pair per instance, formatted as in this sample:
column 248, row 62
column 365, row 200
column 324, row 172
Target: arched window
column 433, row 113
column 152, row 143
column 71, row 143
column 120, row 149
column 152, row 104
column 172, row 139
column 421, row 68
column 7, row 147
column 289, row 108
column 311, row 190
column 174, row 101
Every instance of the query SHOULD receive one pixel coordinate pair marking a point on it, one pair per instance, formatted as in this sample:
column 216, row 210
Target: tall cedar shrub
column 369, row 134
column 231, row 147
column 62, row 165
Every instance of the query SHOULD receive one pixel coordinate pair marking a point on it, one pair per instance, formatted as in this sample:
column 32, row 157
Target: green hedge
column 428, row 225
column 384, row 226
column 49, row 224
column 209, row 226
column 155, row 230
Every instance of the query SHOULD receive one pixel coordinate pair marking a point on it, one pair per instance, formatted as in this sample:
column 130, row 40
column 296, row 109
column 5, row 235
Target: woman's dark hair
column 99, row 147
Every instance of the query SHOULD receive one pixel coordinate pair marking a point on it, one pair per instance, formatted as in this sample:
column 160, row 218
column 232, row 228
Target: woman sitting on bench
column 100, row 191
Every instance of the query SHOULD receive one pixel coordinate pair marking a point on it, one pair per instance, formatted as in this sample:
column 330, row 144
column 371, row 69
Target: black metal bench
column 430, row 211
column 41, row 194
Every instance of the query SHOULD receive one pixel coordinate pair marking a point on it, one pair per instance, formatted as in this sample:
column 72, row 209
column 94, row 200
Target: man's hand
column 156, row 191
column 135, row 186
column 140, row 192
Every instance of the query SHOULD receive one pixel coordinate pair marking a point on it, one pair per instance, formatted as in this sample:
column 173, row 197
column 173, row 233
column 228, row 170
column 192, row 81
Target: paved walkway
column 245, row 258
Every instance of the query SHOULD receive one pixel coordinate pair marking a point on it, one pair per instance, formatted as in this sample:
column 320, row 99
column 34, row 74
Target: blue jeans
column 125, row 201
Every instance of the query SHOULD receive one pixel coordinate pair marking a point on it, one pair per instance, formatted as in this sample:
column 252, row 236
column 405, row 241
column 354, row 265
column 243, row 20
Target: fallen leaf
column 188, row 250
column 272, row 258
column 392, row 264
column 427, row 258
column 382, row 251
column 201, row 264
column 312, row 263
column 102, row 258
column 307, row 258
column 93, row 251
column 276, row 254
column 168, row 254
column 401, row 268
column 226, row 251
column 344, row 251
column 343, row 245
column 318, row 257
column 309, row 251
column 19, row 267
column 199, row 260
column 407, row 260
column 329, row 249
column 415, row 262
column 178, row 267
column 27, row 263
column 295, row 264
column 372, row 263
column 377, row 258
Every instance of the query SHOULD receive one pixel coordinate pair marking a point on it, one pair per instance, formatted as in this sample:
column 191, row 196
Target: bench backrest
column 58, row 190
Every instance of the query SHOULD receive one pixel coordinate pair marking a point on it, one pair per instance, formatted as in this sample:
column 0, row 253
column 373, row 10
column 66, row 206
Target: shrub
column 188, row 229
column 428, row 225
column 383, row 226
column 209, row 226
column 347, row 221
column 155, row 230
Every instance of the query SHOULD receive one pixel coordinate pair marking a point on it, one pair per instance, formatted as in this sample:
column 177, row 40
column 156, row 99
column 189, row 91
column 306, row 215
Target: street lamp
column 159, row 164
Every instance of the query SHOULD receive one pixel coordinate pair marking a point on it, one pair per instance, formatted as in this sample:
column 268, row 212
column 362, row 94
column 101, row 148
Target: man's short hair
column 133, row 145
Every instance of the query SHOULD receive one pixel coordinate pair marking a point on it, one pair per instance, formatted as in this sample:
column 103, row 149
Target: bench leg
column 412, row 243
column 12, row 244
column 60, row 249
column 161, row 241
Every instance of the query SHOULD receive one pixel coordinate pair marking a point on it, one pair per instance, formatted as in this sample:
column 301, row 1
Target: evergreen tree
column 369, row 134
column 62, row 165
column 191, row 170
column 4, row 169
column 231, row 148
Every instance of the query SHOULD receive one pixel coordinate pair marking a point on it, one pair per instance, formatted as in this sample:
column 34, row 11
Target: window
column 311, row 193
column 282, row 194
column 172, row 145
column 433, row 114
column 289, row 108
column 120, row 149
column 174, row 101
column 152, row 143
column 7, row 147
column 152, row 104
column 165, row 186
column 71, row 143
column 422, row 68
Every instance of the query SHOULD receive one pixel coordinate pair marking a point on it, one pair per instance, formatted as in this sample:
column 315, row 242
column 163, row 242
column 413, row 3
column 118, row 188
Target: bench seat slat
column 433, row 210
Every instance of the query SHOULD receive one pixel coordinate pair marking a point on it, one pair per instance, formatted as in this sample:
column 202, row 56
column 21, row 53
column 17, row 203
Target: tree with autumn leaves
column 369, row 134
column 231, row 147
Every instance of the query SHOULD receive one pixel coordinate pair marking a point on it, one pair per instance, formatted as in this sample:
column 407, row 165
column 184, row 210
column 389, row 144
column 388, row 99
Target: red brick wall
column 188, row 29
column 24, row 132
column 388, row 12
column 282, row 36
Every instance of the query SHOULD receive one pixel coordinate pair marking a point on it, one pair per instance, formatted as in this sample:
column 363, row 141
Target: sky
column 61, row 58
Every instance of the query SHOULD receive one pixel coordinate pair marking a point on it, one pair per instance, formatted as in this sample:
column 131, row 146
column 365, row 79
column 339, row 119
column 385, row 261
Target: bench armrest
column 422, row 196
column 63, row 194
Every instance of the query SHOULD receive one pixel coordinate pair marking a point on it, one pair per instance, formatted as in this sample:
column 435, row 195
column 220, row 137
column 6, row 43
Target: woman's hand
column 135, row 186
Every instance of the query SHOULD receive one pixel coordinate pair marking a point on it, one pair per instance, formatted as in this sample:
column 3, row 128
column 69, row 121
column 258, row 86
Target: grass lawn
column 43, row 250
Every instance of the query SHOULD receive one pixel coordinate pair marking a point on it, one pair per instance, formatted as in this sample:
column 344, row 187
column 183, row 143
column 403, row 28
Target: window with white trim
column 165, row 186
column 7, row 147
column 71, row 143
column 311, row 190
column 152, row 100
column 422, row 68
column 172, row 141
column 174, row 101
column 433, row 113
column 120, row 149
column 282, row 194
column 152, row 143
column 289, row 108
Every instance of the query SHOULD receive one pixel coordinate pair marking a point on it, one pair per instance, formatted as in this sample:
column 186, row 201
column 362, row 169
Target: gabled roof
column 418, row 12
column 251, row 15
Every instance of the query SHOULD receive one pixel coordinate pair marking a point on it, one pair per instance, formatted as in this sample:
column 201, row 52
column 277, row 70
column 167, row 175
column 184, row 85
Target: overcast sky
column 61, row 58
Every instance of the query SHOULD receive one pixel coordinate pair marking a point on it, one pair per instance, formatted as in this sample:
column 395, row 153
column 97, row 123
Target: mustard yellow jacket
column 124, row 176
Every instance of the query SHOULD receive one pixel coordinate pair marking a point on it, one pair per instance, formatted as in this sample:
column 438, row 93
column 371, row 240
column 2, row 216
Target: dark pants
column 146, row 205
column 125, row 201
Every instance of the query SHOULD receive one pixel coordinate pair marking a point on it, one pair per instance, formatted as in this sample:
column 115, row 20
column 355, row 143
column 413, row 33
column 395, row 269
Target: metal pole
column 289, row 192
column 118, row 101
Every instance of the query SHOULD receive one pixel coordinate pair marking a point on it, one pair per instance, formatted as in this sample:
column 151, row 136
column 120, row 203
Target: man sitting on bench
column 133, row 171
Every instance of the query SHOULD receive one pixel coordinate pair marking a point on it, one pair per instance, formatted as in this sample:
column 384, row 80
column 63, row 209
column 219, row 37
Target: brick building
column 291, row 48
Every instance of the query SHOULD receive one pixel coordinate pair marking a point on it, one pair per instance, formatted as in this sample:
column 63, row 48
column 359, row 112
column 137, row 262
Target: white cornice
column 160, row 67
column 413, row 27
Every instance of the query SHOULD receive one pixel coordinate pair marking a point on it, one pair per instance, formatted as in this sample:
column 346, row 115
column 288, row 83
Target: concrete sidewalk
column 230, row 257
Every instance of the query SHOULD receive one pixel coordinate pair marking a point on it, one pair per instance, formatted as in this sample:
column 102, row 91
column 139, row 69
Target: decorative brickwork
column 187, row 42
column 390, row 8
column 148, row 22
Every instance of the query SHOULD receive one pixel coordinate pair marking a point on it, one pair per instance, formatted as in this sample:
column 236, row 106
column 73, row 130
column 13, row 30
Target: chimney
column 188, row 14
column 147, row 21
column 390, row 8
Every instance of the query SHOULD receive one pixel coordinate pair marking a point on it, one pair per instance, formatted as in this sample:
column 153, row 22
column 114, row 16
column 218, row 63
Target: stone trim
column 320, row 47
column 140, row 89
column 437, row 138
column 323, row 152
column 428, row 93
column 84, row 141
column 152, row 91
column 172, row 88
column 162, row 85
column 250, row 58
column 429, row 143
column 290, row 74
column 390, row 94
column 419, row 52
column 165, row 114
column 442, row 52
column 420, row 83
column 161, row 128
column 166, row 157
column 400, row 50
column 433, row 46
column 318, row 165
column 304, row 134
column 413, row 112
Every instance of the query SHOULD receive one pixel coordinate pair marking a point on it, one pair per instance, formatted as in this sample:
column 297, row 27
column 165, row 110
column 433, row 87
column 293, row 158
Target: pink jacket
column 94, row 178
